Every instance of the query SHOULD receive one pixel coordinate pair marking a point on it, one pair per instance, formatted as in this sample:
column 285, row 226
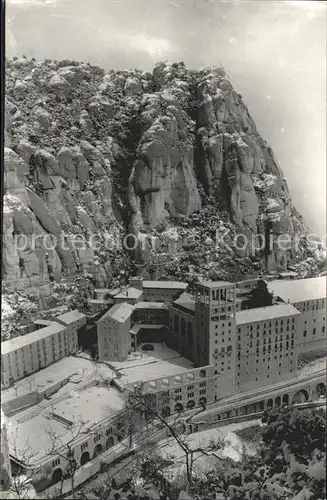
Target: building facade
column 308, row 296
column 29, row 353
column 73, row 321
column 114, row 339
column 152, row 313
column 158, row 291
column 266, row 346
column 215, row 337
column 177, row 393
column 250, row 345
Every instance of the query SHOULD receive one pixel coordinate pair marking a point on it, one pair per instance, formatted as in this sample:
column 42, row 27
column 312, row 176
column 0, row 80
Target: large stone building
column 236, row 338
column 309, row 297
column 114, row 339
column 29, row 353
column 49, row 342
column 176, row 393
column 266, row 351
column 251, row 335
column 158, row 291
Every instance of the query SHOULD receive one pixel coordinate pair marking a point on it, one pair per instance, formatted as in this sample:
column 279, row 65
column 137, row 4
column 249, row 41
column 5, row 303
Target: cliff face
column 171, row 156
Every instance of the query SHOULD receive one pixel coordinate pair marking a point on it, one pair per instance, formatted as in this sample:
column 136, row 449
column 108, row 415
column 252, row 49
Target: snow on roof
column 299, row 290
column 25, row 340
column 165, row 285
column 70, row 317
column 137, row 327
column 151, row 305
column 265, row 313
column 157, row 369
column 129, row 292
column 119, row 312
column 185, row 300
column 91, row 405
column 44, row 322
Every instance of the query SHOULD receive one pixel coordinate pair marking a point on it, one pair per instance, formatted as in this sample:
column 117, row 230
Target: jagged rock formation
column 172, row 156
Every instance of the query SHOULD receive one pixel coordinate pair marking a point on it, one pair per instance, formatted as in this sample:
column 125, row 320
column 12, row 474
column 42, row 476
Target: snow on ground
column 160, row 353
column 81, row 367
column 233, row 443
column 205, row 461
column 161, row 362
column 90, row 405
column 313, row 366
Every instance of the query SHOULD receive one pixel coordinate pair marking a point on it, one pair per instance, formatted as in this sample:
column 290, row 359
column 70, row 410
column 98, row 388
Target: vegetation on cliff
column 172, row 157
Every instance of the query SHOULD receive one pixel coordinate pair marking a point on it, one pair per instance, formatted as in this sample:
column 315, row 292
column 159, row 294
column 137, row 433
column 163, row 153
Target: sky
column 274, row 53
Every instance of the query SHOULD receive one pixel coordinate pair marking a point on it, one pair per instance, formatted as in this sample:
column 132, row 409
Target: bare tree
column 22, row 454
column 65, row 450
column 139, row 404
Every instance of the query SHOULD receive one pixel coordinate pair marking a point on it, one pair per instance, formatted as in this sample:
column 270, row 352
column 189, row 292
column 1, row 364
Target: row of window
column 261, row 376
column 189, row 387
column 269, row 324
column 314, row 331
column 310, row 306
column 269, row 352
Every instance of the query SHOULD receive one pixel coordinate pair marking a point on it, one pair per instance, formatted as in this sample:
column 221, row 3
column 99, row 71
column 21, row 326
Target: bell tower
column 215, row 330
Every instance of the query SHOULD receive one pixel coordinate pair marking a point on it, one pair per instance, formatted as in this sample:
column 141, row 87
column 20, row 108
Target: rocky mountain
column 171, row 158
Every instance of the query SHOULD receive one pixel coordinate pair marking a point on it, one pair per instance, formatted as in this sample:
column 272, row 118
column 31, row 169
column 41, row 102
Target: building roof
column 299, row 290
column 119, row 312
column 216, row 284
column 129, row 293
column 165, row 285
column 43, row 322
column 156, row 369
column 265, row 313
column 151, row 305
column 25, row 340
column 70, row 317
column 90, row 405
column 186, row 301
column 138, row 326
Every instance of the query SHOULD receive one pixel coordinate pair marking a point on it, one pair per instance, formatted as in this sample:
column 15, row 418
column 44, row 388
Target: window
column 83, row 446
column 202, row 391
column 178, row 391
column 109, row 431
column 190, row 387
column 203, row 384
column 314, row 331
column 56, row 462
column 304, row 333
column 97, row 438
column 178, row 398
column 191, row 394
